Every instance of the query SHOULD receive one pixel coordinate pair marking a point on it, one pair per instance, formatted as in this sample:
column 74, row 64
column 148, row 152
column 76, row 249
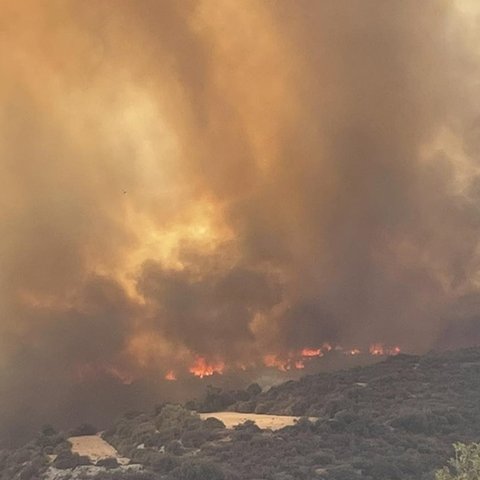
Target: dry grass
column 94, row 447
column 272, row 422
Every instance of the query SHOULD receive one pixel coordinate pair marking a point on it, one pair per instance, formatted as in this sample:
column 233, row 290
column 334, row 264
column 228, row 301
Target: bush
column 213, row 423
column 48, row 431
column 197, row 471
column 174, row 447
column 158, row 462
column 165, row 463
column 50, row 440
column 108, row 463
column 67, row 459
column 465, row 465
column 323, row 458
column 125, row 476
column 195, row 438
column 254, row 389
column 84, row 429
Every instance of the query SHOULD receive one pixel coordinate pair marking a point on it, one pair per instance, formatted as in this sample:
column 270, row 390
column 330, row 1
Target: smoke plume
column 198, row 181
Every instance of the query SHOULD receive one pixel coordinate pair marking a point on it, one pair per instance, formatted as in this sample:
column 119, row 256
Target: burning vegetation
column 203, row 367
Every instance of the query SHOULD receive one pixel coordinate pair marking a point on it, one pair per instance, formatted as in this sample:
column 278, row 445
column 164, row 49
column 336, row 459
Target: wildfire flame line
column 203, row 367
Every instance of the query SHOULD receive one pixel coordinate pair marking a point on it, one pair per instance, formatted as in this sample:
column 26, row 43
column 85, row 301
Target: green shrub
column 213, row 423
column 199, row 470
column 465, row 465
column 108, row 463
column 67, row 459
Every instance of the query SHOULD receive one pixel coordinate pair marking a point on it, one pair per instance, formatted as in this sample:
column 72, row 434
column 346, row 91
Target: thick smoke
column 227, row 180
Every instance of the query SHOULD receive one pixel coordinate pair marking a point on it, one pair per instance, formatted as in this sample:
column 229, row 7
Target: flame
column 202, row 368
column 297, row 359
column 394, row 351
column 352, row 352
column 316, row 352
column 311, row 352
column 378, row 349
column 299, row 364
column 272, row 360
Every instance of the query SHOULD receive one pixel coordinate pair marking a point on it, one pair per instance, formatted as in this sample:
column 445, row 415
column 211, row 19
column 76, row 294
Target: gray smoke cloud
column 226, row 180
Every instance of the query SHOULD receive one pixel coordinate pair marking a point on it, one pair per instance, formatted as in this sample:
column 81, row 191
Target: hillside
column 430, row 388
column 396, row 419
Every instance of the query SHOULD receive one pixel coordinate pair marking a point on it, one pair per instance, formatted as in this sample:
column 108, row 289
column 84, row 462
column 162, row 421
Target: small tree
column 465, row 465
column 84, row 429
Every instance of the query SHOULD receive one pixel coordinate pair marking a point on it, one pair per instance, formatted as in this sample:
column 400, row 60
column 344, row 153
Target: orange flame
column 272, row 360
column 311, row 352
column 378, row 349
column 284, row 362
column 201, row 368
column 299, row 364
column 298, row 359
column 352, row 352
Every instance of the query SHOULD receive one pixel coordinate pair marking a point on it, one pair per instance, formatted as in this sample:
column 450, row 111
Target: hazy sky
column 229, row 179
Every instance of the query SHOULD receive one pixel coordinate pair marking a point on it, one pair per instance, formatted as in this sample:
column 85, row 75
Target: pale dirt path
column 272, row 422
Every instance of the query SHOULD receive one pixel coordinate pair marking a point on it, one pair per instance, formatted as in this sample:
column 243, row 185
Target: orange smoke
column 170, row 376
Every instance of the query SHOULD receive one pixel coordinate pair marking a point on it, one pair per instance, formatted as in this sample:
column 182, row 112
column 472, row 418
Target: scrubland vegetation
column 395, row 420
